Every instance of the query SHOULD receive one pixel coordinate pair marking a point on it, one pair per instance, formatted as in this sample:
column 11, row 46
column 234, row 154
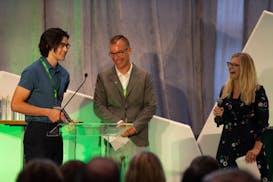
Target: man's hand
column 130, row 131
column 121, row 124
column 54, row 115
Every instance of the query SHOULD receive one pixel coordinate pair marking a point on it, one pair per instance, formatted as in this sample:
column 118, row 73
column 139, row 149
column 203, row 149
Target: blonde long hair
column 247, row 79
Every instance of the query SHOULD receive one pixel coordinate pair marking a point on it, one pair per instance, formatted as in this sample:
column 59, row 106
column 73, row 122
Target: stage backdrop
column 183, row 44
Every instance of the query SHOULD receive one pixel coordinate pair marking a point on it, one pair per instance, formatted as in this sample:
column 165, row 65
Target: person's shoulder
column 260, row 91
column 33, row 68
column 30, row 75
column 34, row 65
column 140, row 70
column 63, row 70
column 107, row 71
column 259, row 88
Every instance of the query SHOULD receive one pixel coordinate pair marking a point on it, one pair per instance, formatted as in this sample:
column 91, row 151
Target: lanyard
column 124, row 91
column 55, row 93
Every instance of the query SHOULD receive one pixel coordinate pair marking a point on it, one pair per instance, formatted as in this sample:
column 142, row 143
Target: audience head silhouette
column 73, row 171
column 145, row 167
column 199, row 167
column 42, row 170
column 230, row 175
column 101, row 169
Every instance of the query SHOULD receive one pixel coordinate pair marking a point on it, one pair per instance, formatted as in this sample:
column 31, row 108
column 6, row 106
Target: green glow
column 11, row 137
column 87, row 146
column 11, row 154
column 20, row 52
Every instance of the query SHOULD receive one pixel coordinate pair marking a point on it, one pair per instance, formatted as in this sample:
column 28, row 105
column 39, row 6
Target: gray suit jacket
column 138, row 106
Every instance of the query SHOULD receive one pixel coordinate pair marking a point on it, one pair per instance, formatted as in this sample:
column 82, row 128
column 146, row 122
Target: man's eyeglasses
column 232, row 64
column 118, row 53
column 62, row 45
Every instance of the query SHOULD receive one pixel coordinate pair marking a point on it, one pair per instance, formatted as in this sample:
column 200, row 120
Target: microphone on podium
column 67, row 117
column 218, row 119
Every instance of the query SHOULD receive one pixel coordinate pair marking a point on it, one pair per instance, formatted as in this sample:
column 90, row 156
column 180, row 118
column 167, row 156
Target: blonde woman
column 243, row 111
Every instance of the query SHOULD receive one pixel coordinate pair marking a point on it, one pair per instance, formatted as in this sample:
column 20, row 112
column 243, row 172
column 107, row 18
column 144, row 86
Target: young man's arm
column 19, row 104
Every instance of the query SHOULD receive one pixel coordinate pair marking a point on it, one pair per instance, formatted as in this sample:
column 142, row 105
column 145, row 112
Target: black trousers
column 38, row 145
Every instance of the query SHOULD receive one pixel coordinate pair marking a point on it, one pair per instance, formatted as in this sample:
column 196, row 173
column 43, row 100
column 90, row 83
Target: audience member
column 199, row 167
column 102, row 169
column 73, row 171
column 42, row 170
column 229, row 175
column 145, row 167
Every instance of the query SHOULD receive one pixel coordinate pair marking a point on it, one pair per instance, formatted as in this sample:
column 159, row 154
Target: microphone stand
column 55, row 131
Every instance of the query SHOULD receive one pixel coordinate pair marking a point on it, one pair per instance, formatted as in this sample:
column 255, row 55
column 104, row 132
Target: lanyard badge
column 55, row 93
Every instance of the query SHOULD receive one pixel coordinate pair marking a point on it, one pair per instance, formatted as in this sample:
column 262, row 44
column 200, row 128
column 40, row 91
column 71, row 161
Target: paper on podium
column 116, row 141
column 250, row 167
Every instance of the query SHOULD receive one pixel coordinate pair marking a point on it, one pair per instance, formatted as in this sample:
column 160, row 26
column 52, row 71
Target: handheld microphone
column 219, row 102
column 67, row 117
column 218, row 119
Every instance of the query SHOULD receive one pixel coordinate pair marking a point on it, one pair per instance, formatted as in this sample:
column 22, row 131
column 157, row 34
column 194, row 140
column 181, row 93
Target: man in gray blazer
column 125, row 94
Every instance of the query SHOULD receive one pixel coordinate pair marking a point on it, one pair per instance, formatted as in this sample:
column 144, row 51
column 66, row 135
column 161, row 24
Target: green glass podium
column 94, row 135
column 81, row 141
column 11, row 153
